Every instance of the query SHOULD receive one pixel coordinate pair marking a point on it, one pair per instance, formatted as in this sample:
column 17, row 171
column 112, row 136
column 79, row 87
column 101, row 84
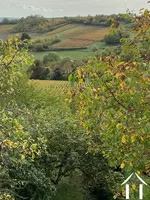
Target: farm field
column 61, row 29
column 4, row 31
column 56, row 86
column 76, row 54
column 87, row 32
column 81, row 36
column 75, row 31
column 71, row 36
column 76, row 36
column 94, row 34
column 74, row 43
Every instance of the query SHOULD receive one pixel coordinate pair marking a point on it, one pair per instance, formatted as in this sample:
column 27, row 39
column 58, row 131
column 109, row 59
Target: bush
column 112, row 38
column 44, row 44
column 51, row 57
column 38, row 71
column 106, row 52
column 25, row 36
column 94, row 49
column 38, row 47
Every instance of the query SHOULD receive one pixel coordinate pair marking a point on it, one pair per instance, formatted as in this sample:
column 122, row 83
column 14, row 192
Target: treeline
column 100, row 20
column 53, row 67
column 37, row 24
column 40, row 24
column 6, row 21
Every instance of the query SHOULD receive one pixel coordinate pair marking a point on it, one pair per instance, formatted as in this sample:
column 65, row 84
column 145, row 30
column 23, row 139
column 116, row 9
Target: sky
column 60, row 8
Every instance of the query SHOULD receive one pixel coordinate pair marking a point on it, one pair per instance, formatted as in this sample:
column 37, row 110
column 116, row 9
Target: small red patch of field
column 74, row 43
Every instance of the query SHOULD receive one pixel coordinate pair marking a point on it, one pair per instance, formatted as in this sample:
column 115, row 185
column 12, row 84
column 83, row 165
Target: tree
column 51, row 58
column 41, row 141
column 5, row 20
column 25, row 36
column 62, row 69
column 112, row 38
column 37, row 71
column 112, row 100
column 13, row 142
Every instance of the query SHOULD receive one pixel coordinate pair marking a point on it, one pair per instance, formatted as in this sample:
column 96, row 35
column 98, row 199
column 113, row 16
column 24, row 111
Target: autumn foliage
column 112, row 101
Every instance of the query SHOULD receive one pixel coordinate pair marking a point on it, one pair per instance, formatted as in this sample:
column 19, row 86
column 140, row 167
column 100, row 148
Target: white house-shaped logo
column 140, row 186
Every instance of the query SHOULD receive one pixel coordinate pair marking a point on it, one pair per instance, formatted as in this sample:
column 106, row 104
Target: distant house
column 140, row 186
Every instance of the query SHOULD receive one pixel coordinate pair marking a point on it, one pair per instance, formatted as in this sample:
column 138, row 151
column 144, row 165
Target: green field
column 76, row 54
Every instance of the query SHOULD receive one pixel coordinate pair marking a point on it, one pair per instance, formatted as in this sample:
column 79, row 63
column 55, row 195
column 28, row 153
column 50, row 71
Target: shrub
column 38, row 71
column 51, row 57
column 25, row 36
column 112, row 38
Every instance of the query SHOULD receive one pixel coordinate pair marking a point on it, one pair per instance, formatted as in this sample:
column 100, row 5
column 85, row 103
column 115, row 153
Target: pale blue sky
column 56, row 8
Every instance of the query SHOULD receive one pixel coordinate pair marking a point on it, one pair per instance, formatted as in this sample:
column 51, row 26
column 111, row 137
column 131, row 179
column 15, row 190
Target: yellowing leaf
column 119, row 125
column 69, row 92
column 103, row 152
column 122, row 84
column 142, row 138
column 131, row 92
column 70, row 100
column 81, row 80
column 131, row 164
column 122, row 165
column 123, row 140
column 119, row 74
column 22, row 157
column 133, row 186
column 133, row 138
column 79, row 73
column 121, row 63
column 134, row 154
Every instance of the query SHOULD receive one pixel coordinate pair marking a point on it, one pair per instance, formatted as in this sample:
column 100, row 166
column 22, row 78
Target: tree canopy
column 112, row 101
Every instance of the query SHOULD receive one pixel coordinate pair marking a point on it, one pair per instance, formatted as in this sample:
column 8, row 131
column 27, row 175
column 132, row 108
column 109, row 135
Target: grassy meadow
column 76, row 54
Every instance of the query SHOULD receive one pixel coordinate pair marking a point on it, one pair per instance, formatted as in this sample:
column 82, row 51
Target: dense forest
column 81, row 143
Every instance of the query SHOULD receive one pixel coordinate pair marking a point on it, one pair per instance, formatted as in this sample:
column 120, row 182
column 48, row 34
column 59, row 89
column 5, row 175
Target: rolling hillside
column 71, row 36
column 75, row 35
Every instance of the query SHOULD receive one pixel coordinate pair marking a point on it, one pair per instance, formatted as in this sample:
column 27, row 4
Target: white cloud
column 50, row 10
column 43, row 9
column 32, row 7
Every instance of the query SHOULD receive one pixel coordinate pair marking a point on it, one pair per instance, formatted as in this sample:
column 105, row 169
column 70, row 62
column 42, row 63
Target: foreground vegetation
column 82, row 143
